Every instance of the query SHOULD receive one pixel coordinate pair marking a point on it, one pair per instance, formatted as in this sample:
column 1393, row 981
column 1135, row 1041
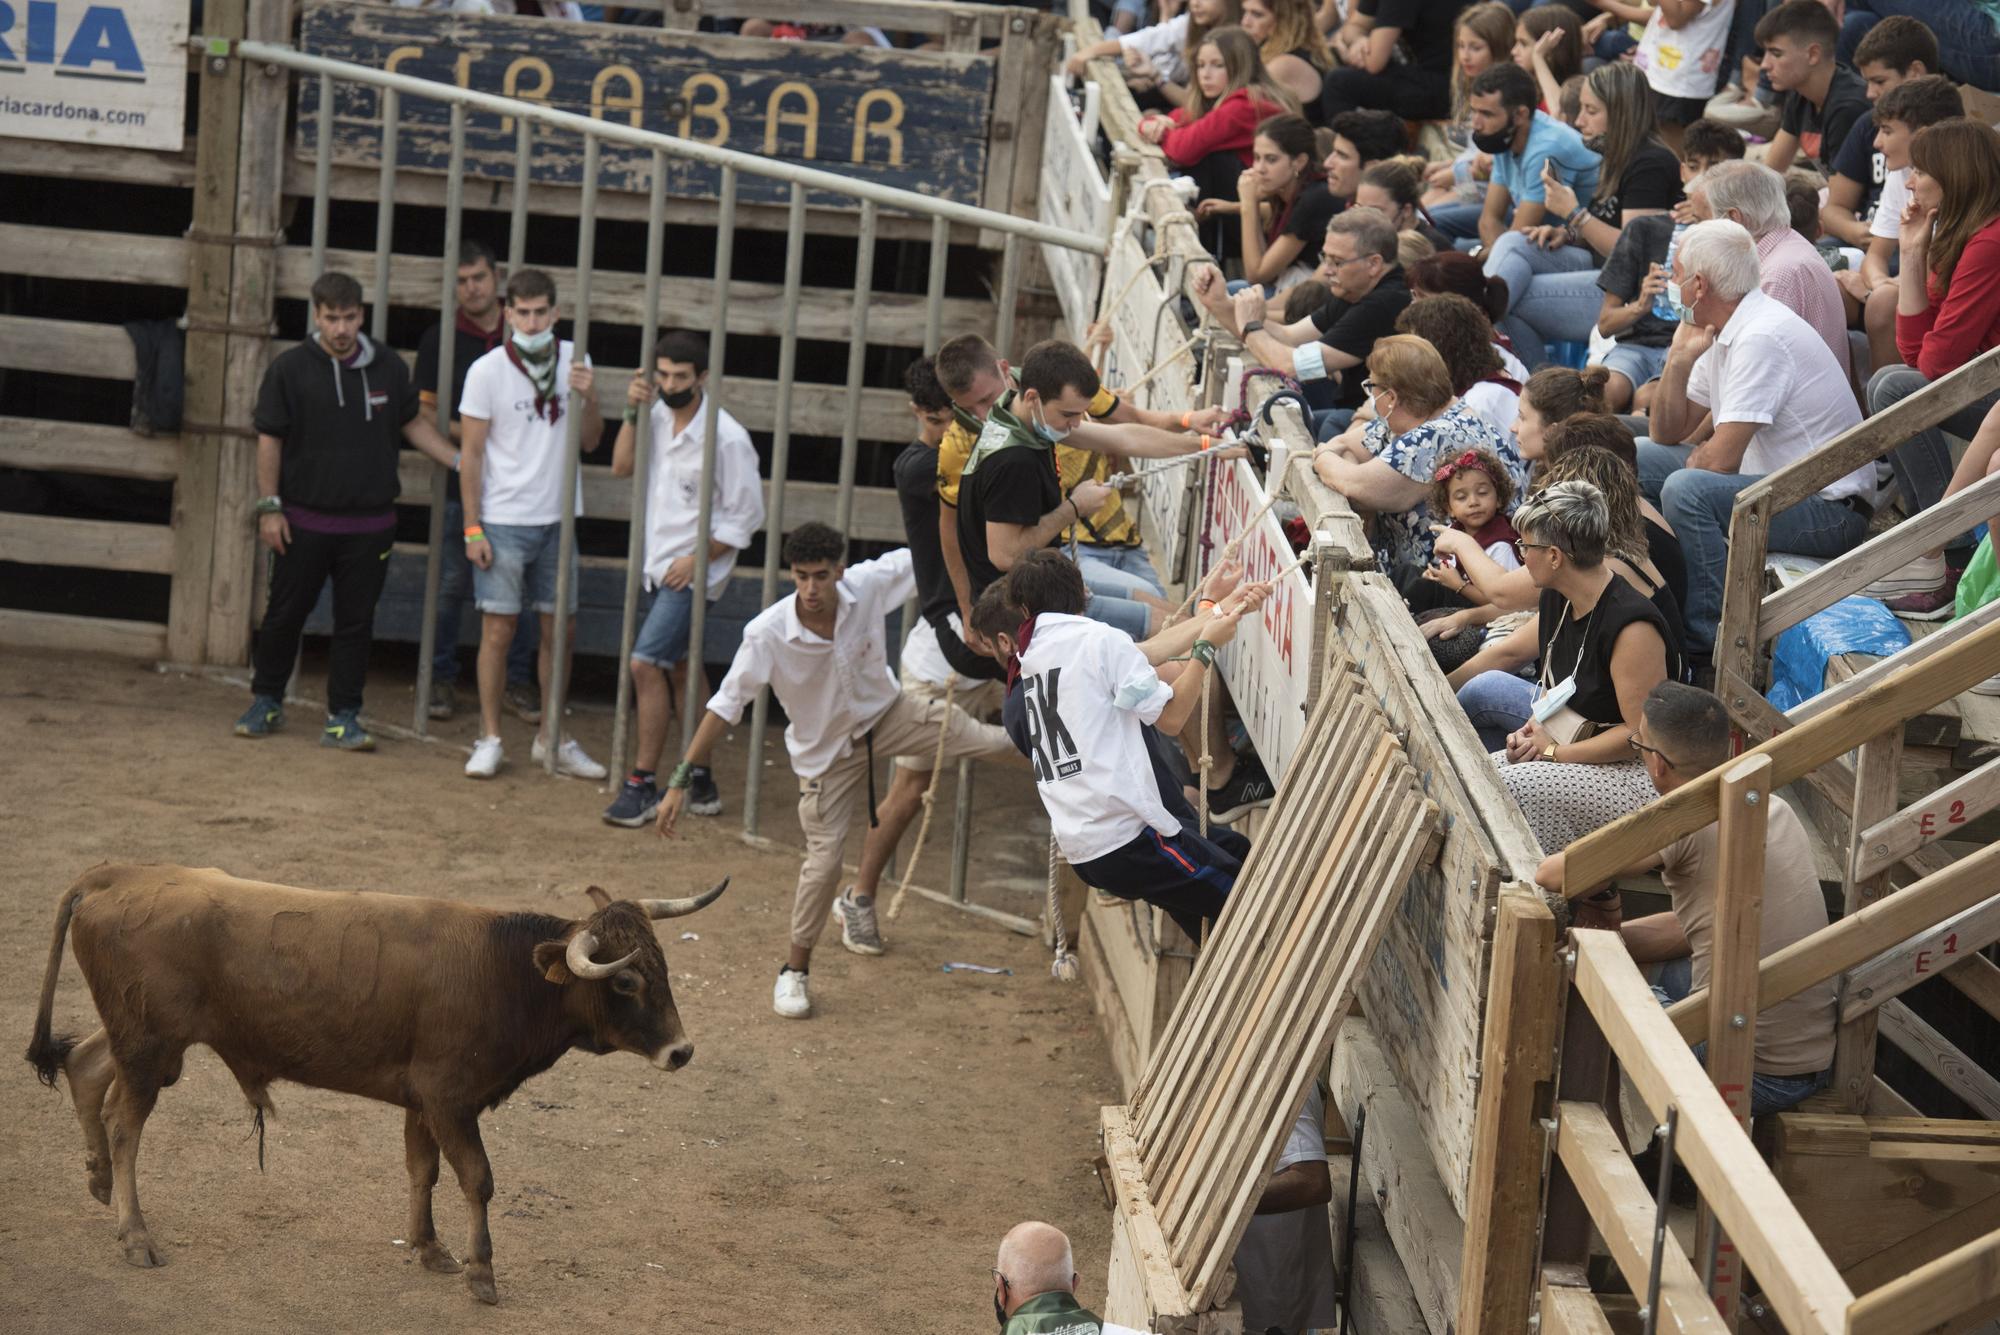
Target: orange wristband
column 1207, row 441
column 1187, row 419
column 1205, row 605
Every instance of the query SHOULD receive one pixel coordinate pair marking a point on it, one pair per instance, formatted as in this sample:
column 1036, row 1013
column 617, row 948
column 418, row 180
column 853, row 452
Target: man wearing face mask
column 1523, row 141
column 675, row 395
column 1034, row 1284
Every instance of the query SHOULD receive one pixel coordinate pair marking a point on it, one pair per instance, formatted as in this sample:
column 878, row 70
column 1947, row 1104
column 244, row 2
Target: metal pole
column 704, row 514
column 781, row 453
column 385, row 215
column 857, row 352
column 961, row 831
column 1010, row 294
column 524, row 173
column 1649, row 1315
column 322, row 172
column 642, row 465
column 454, row 212
column 559, row 643
column 934, row 298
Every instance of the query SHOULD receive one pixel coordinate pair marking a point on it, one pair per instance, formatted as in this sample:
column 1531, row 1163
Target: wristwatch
column 1251, row 327
column 1549, row 751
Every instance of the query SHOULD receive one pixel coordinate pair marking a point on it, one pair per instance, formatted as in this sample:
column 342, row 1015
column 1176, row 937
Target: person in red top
column 1232, row 94
column 1947, row 313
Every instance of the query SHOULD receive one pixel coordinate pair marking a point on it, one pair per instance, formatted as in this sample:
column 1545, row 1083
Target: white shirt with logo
column 673, row 494
column 1088, row 691
column 522, row 478
column 1686, row 61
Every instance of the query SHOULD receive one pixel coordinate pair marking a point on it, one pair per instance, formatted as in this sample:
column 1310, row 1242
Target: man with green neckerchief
column 1034, row 1284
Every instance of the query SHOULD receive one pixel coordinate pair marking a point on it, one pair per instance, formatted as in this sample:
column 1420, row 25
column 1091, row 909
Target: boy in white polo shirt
column 511, row 415
column 676, row 395
column 823, row 652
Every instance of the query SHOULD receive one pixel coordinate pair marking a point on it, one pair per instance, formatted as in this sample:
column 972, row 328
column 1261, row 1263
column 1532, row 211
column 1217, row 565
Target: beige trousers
column 829, row 803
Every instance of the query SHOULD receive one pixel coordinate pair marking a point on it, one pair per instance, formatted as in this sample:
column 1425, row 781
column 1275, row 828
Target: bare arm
column 1373, row 485
column 1133, row 440
column 954, row 564
column 1008, row 543
column 1493, row 215
column 472, row 467
column 1671, row 419
column 1298, row 1187
column 421, row 432
column 1783, row 151
column 1517, row 648
column 1723, row 451
column 1837, row 216
column 1655, row 938
column 707, row 733
column 1638, row 664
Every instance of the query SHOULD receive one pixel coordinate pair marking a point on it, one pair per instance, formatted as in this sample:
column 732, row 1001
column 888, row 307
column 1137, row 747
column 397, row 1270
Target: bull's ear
column 598, row 897
column 549, row 959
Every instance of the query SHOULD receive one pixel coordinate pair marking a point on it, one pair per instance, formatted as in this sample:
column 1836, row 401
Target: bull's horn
column 578, row 958
column 676, row 908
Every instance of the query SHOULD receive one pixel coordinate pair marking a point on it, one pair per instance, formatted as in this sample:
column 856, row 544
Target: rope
column 930, row 796
column 1199, row 334
column 1207, row 691
column 1064, row 967
column 1230, row 549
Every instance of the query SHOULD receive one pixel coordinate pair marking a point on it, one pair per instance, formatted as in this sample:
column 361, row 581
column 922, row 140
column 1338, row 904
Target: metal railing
column 533, row 118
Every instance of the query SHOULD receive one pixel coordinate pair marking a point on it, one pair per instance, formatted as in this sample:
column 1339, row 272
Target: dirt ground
column 850, row 1172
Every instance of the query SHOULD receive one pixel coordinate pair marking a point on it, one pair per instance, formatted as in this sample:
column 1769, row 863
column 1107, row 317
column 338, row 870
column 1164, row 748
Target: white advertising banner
column 1266, row 664
column 1144, row 327
column 94, row 71
column 1074, row 195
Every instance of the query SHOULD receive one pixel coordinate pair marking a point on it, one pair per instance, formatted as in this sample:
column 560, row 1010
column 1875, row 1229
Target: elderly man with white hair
column 1791, row 267
column 1034, row 1284
column 1751, row 387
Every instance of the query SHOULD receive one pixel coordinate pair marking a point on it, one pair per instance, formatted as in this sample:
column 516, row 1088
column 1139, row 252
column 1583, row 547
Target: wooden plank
column 1936, row 1054
column 95, row 162
column 1523, row 1012
column 1600, row 855
column 1891, row 839
column 65, row 347
column 1925, row 645
column 1932, row 1294
column 1979, row 979
column 1114, row 1017
column 1860, row 1201
column 1379, row 1296
column 1944, row 1236
column 935, row 17
column 89, row 544
column 1799, row 1282
column 1567, row 1310
column 895, row 319
column 1949, row 948
column 1624, row 1210
column 92, row 256
column 1939, row 725
column 63, row 632
column 1148, row 1244
column 43, row 445
column 1875, row 775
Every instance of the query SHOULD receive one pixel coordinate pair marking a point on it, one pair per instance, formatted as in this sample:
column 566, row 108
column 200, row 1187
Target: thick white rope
column 1064, row 968
column 930, row 798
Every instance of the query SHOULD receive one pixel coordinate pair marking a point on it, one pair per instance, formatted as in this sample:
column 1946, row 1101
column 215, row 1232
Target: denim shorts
column 663, row 636
column 1635, row 363
column 523, row 574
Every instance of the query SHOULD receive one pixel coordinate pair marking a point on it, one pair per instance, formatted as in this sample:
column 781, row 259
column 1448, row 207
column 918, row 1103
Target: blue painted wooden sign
column 913, row 119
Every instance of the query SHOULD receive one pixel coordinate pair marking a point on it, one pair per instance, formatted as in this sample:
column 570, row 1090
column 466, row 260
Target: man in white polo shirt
column 1753, row 388
column 822, row 651
column 675, row 395
column 511, row 417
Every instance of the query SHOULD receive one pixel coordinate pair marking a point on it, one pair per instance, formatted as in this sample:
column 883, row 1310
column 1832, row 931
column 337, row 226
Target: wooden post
column 1585, row 1076
column 1875, row 798
column 1496, row 1288
column 1732, row 983
column 217, row 144
column 1742, row 600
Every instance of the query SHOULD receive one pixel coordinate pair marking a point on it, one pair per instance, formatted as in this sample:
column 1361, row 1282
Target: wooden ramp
column 1190, row 1154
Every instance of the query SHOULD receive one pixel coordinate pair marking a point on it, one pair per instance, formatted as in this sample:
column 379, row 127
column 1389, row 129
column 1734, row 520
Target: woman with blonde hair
column 1231, row 95
column 1289, row 40
column 1157, row 61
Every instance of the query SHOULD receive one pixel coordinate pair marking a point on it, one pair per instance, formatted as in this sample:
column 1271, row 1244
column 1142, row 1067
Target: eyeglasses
column 1337, row 262
column 1534, row 546
column 1639, row 748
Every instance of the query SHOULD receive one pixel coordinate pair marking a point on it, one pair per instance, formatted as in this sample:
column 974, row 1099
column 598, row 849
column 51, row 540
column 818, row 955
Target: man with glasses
column 1358, row 260
column 1684, row 733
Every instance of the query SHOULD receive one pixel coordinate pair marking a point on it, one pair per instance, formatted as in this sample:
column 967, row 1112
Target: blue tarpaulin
column 1851, row 626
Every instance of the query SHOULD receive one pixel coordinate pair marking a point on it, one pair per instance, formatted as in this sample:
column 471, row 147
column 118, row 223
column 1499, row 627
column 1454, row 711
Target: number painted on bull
column 838, row 107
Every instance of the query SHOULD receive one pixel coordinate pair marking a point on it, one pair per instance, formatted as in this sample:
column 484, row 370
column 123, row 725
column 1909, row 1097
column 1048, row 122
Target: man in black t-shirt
column 477, row 332
column 1368, row 75
column 1895, row 51
column 1822, row 100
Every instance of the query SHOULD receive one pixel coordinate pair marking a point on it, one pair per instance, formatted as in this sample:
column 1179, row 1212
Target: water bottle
column 1662, row 308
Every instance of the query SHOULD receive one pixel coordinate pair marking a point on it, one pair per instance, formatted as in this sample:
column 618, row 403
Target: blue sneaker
column 264, row 717
column 344, row 730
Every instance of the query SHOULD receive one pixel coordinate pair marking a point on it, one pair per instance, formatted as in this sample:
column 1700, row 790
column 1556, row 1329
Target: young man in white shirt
column 822, row 651
column 675, row 394
column 511, row 418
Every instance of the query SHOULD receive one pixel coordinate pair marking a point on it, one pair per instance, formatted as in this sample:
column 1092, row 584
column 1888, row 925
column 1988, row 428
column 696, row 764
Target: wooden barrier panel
column 1074, row 195
column 1267, row 664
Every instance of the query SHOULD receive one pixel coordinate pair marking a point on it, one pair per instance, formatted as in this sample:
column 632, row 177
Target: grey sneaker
column 344, row 731
column 524, row 701
column 858, row 931
column 264, row 717
column 444, row 700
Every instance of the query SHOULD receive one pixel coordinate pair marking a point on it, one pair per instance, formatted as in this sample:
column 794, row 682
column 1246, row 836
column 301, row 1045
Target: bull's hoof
column 100, row 1187
column 479, row 1278
column 436, row 1257
column 140, row 1251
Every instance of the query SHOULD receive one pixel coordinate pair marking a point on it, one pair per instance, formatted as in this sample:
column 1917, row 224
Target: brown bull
column 440, row 1008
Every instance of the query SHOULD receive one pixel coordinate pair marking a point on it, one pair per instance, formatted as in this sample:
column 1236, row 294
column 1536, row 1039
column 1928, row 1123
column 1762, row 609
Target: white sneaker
column 485, row 762
column 789, row 997
column 1924, row 575
column 570, row 759
column 1991, row 686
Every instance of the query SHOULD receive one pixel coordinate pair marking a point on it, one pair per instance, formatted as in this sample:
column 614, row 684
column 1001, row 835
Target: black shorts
column 1184, row 874
column 1679, row 110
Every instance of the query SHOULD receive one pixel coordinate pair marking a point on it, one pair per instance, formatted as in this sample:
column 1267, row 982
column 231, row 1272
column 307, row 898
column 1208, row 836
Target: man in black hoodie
column 330, row 416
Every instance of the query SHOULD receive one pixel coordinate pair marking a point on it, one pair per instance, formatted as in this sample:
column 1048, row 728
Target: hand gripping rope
column 930, row 797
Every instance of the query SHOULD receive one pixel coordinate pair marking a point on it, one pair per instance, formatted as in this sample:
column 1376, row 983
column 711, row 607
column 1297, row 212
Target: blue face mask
column 1682, row 311
column 533, row 343
column 1047, row 432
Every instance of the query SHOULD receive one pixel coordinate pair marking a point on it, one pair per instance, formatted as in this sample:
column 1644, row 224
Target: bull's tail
column 45, row 1050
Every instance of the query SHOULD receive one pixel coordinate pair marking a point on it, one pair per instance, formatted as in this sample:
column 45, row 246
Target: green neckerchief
column 1054, row 1313
column 975, row 426
column 1003, row 431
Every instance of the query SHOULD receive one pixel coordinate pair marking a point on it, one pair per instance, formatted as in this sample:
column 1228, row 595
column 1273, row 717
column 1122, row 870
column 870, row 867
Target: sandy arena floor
column 847, row 1173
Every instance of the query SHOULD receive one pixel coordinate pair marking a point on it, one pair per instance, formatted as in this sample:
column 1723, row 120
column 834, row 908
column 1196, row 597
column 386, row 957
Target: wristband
column 1187, row 419
column 1579, row 212
column 269, row 505
column 474, row 534
column 456, row 457
column 1207, row 441
column 1252, row 327
column 1205, row 605
column 1608, row 895
column 682, row 776
column 1309, row 360
column 631, row 415
column 1203, row 653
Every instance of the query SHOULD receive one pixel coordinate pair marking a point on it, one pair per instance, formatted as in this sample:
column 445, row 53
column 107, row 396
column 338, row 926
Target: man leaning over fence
column 330, row 417
column 1683, row 734
column 478, row 330
column 676, row 394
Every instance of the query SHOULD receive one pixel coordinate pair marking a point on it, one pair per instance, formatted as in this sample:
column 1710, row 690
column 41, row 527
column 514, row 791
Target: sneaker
column 570, row 759
column 637, row 802
column 524, row 701
column 789, row 997
column 1924, row 575
column 264, row 717
column 704, row 798
column 444, row 700
column 344, row 730
column 1248, row 788
column 1991, row 686
column 1932, row 605
column 485, row 762
column 858, row 931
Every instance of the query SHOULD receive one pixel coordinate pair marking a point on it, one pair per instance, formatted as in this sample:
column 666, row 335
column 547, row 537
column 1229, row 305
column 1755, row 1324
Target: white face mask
column 533, row 343
column 1049, row 433
column 1682, row 311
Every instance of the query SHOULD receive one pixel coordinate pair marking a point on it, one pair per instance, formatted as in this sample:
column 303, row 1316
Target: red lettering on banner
column 1923, row 961
column 1927, row 824
column 1951, row 944
column 1957, row 816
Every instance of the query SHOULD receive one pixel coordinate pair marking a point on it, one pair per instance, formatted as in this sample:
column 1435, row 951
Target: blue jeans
column 1768, row 1093
column 1135, row 619
column 454, row 583
column 1552, row 295
column 1330, row 422
column 1968, row 39
column 1460, row 222
column 1497, row 703
column 523, row 575
column 1697, row 504
column 1120, row 571
column 1922, row 463
column 663, row 636
column 1657, row 463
